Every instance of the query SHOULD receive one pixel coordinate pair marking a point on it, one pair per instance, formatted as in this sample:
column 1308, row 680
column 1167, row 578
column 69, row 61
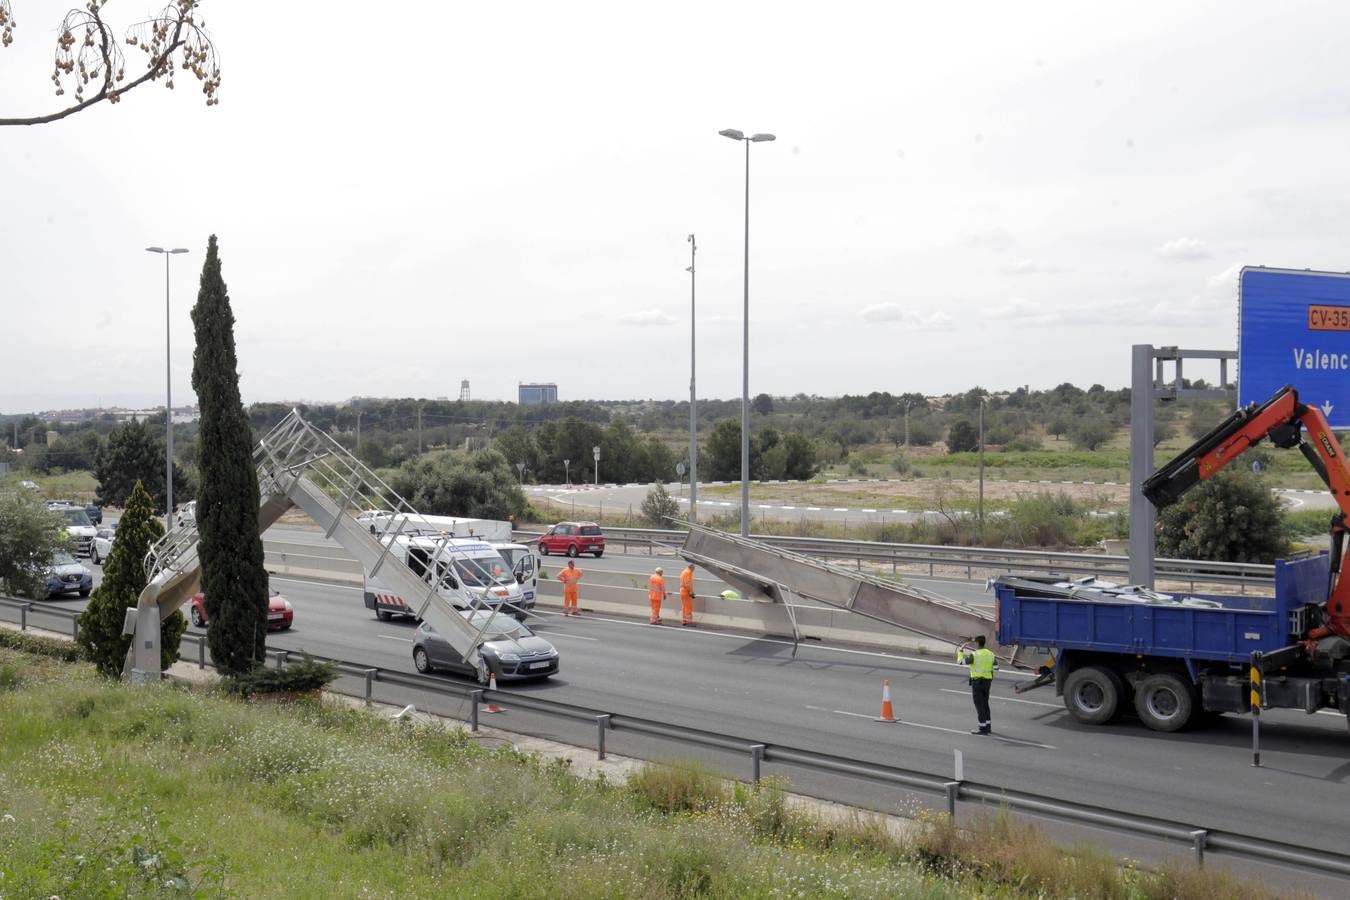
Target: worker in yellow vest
column 656, row 592
column 982, row 664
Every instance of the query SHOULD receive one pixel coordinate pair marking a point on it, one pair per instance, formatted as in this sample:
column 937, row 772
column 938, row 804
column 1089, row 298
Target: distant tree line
column 643, row 440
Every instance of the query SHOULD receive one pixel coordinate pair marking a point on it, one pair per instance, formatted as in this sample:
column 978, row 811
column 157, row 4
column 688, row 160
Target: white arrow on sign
column 1326, row 407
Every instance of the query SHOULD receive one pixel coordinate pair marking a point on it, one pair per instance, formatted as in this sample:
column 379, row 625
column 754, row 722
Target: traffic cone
column 492, row 686
column 887, row 712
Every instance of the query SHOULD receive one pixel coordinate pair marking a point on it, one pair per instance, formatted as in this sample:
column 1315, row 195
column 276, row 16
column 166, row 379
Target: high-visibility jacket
column 569, row 577
column 687, row 582
column 656, row 586
column 982, row 663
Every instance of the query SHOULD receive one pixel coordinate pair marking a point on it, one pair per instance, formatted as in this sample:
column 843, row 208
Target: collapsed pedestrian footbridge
column 300, row 466
column 773, row 575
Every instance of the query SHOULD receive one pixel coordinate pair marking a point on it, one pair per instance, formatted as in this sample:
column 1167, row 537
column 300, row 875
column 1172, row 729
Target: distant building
column 538, row 394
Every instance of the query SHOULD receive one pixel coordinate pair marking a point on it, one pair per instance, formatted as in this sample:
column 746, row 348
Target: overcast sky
column 413, row 194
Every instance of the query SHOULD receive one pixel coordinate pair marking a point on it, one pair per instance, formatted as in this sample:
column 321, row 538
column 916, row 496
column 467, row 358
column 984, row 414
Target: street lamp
column 168, row 393
column 567, row 475
column 693, row 409
column 596, row 451
column 983, row 400
column 745, row 350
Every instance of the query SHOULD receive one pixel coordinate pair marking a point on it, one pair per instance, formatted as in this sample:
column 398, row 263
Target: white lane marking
column 869, row 510
column 394, row 637
column 1004, row 699
column 1006, row 740
column 789, row 507
column 566, row 634
column 841, row 509
column 322, row 584
column 813, row 509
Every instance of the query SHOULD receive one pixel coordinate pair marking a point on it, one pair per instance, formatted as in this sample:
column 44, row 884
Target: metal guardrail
column 973, row 559
column 1200, row 839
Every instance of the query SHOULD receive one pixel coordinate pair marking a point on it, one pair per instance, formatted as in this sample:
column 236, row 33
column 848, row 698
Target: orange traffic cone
column 492, row 686
column 887, row 712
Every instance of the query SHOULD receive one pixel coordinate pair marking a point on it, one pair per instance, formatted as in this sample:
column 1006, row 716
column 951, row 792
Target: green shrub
column 684, row 787
column 302, row 677
column 857, row 466
column 900, row 465
column 40, row 646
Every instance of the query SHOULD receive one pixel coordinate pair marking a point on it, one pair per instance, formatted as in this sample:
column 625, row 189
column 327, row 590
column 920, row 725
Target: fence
column 1200, row 840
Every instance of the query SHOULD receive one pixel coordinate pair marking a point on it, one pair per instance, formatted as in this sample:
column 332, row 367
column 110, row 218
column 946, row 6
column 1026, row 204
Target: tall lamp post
column 168, row 392
column 693, row 410
column 745, row 350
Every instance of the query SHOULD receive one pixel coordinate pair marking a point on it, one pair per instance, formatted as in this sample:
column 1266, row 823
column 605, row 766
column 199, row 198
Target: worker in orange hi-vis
column 656, row 592
column 687, row 596
column 569, row 577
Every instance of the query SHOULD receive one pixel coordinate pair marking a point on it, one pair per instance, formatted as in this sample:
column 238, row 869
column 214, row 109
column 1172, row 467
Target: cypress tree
column 229, row 546
column 123, row 580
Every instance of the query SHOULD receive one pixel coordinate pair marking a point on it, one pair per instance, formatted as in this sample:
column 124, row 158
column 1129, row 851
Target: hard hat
column 658, row 570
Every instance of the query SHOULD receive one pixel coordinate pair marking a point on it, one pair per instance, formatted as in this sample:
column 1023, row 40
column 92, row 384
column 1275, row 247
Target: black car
column 510, row 649
column 94, row 512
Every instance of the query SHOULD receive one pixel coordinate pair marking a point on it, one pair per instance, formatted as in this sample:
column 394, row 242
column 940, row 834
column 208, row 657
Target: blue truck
column 1176, row 658
column 1173, row 658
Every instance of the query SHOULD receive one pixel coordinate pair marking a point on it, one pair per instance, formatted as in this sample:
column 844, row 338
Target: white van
column 521, row 560
column 454, row 526
column 465, row 565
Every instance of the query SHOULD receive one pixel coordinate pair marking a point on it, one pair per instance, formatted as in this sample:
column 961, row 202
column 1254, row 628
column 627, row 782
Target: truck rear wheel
column 1092, row 694
column 1164, row 702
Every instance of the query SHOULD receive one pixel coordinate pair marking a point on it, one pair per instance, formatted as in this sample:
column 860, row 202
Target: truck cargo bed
column 1035, row 616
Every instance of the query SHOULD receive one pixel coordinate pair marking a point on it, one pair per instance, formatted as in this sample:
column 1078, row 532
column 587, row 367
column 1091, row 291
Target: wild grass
column 107, row 790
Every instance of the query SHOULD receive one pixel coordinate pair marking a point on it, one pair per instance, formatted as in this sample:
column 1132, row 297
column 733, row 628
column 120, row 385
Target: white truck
column 461, row 564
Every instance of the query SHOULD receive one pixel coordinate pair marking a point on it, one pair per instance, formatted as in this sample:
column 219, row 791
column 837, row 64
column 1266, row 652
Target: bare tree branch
column 176, row 29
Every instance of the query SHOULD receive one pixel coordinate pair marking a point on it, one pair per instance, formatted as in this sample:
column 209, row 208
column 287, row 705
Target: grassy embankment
column 110, row 791
column 80, row 485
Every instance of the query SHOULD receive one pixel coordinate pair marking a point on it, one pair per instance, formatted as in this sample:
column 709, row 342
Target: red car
column 279, row 612
column 573, row 538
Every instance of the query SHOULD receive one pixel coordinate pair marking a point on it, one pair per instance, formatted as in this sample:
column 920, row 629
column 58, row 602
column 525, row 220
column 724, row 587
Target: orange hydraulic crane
column 1287, row 423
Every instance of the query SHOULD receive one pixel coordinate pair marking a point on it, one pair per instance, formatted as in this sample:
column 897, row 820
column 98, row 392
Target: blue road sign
column 1294, row 328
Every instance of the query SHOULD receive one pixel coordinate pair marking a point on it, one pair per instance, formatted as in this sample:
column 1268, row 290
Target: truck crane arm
column 1284, row 420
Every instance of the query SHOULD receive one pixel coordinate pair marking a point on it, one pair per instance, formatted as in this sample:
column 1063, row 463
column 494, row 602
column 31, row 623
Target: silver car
column 510, row 650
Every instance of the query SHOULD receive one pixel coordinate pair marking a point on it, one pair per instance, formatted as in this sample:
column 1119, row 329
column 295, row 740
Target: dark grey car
column 510, row 649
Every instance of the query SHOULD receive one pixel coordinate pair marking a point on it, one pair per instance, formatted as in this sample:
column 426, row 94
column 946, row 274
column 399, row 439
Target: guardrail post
column 74, row 628
column 953, row 789
column 1198, row 840
column 601, row 726
column 370, row 685
column 23, row 616
column 201, row 652
column 475, row 698
column 756, row 757
column 282, row 656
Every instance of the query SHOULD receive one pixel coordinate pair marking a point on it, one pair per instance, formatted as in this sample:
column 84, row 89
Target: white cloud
column 1030, row 267
column 1184, row 249
column 894, row 312
column 883, row 312
column 645, row 318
